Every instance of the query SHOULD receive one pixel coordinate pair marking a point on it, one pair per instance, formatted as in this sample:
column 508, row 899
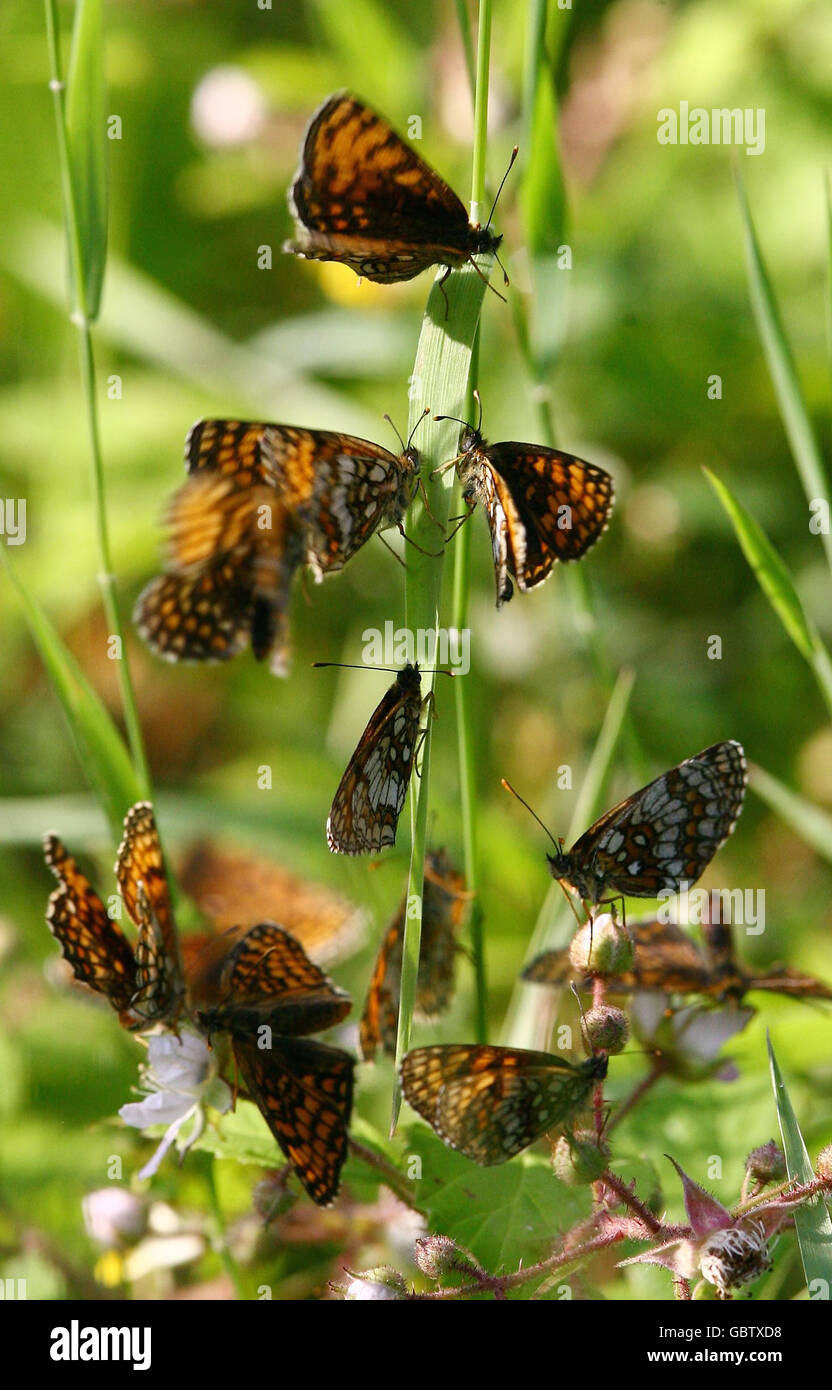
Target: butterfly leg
column 425, row 502
column 441, row 284
column 461, row 520
column 434, row 554
column 396, row 557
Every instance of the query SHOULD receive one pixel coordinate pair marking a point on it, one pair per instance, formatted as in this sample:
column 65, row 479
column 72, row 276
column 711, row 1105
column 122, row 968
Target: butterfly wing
column 197, row 617
column 363, row 197
column 304, row 1092
column 96, row 948
column 231, row 886
column 556, row 506
column 270, row 977
column 341, row 487
column 366, row 807
column 379, row 1021
column 492, row 1102
column 233, row 448
column 143, row 884
column 668, row 832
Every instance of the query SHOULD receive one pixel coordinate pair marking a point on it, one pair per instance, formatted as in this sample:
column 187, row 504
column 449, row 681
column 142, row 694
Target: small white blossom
column 178, row 1080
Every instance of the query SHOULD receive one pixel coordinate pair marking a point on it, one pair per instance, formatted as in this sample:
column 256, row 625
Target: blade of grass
column 778, row 586
column 98, row 743
column 439, row 382
column 87, row 149
column 781, row 365
column 811, row 1221
column 89, row 33
column 555, row 910
column 807, row 820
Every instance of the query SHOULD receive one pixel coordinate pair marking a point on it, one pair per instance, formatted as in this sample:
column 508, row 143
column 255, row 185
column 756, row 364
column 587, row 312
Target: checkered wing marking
column 363, row 197
column 304, row 1093
column 367, row 805
column 556, row 506
column 270, row 977
column 343, row 489
column 668, row 832
column 229, row 447
column 202, row 617
column 143, row 884
column 96, row 948
column 492, row 1102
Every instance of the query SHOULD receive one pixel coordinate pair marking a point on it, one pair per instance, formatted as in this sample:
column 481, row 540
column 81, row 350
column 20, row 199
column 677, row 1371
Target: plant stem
column 229, row 1264
column 79, row 317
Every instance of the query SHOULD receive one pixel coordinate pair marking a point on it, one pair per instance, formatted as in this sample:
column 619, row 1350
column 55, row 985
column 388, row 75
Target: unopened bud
column 580, row 1158
column 767, row 1163
column 604, row 948
column 825, row 1162
column 439, row 1255
column 606, row 1028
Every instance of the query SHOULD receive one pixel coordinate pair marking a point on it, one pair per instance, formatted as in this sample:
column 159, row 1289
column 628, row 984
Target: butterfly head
column 560, row 864
column 482, row 240
column 409, row 679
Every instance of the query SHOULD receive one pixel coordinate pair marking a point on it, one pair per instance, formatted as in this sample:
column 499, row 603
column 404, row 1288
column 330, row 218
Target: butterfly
column 233, row 885
column 143, row 884
column 95, row 946
column 662, row 836
column 542, row 506
column 363, row 197
column 443, row 907
column 667, row 961
column 268, row 996
column 492, row 1102
column 233, row 549
column 144, row 984
column 367, row 805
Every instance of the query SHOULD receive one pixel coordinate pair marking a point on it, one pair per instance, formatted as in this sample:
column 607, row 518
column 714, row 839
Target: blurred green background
column 213, row 100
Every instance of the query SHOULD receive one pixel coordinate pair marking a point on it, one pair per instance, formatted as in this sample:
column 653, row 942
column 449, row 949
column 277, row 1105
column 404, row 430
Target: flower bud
column 379, row 1285
column 767, row 1163
column 580, row 1158
column 825, row 1163
column 438, row 1255
column 604, row 948
column 606, row 1028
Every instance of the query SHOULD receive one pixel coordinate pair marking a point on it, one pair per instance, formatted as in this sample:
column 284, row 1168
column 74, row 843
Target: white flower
column 177, row 1080
column 114, row 1217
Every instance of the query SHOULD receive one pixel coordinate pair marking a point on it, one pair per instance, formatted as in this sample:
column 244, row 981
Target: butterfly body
column 364, row 198
column 492, row 1102
column 542, row 506
column 663, row 835
column 370, row 796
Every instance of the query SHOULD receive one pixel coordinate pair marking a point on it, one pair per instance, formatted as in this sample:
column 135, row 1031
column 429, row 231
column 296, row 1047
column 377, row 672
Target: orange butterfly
column 363, row 197
column 268, row 996
column 443, row 907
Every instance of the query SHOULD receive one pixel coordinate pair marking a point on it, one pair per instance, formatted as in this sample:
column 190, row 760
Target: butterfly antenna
column 425, row 412
column 509, row 788
column 506, row 280
column 584, row 1034
column 394, row 670
column 396, row 432
column 478, row 399
column 514, row 155
column 465, row 423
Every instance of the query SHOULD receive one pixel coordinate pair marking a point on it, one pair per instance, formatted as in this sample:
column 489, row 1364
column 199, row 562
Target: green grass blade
column 100, row 747
column 807, row 820
column 812, row 1222
column 781, row 365
column 555, row 911
column 778, row 586
column 86, row 115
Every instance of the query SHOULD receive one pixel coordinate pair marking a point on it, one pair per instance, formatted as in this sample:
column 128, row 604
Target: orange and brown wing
column 363, row 197
column 366, row 807
column 379, row 1021
column 559, row 506
column 304, row 1092
column 96, row 948
column 232, row 886
column 140, row 864
column 232, row 448
column 197, row 617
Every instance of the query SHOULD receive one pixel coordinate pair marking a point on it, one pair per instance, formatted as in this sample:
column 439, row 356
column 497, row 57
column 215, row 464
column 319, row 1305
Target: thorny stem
column 560, row 1259
column 389, row 1175
column 630, row 1200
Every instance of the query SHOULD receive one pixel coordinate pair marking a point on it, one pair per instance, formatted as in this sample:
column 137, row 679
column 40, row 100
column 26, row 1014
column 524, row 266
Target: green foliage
column 812, row 1221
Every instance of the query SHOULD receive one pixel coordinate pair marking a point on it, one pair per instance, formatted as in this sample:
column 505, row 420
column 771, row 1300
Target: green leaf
column 793, row 410
column 503, row 1215
column 86, row 116
column 807, row 820
column 812, row 1222
column 777, row 585
column 101, row 750
column 242, row 1134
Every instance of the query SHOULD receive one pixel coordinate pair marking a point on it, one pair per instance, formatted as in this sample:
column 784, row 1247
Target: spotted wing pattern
column 143, row 884
column 492, row 1102
column 542, row 506
column 341, row 488
column 304, row 1092
column 366, row 807
column 235, row 885
column 363, row 197
column 443, row 906
column 663, row 835
column 96, row 948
